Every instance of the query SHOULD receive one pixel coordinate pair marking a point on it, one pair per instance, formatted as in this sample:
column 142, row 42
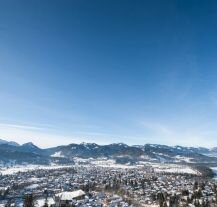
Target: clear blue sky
column 109, row 71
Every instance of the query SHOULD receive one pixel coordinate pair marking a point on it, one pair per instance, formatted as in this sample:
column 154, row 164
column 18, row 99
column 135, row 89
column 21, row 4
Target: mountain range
column 121, row 153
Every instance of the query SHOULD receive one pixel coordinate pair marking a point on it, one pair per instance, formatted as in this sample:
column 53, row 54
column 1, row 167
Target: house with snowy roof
column 66, row 198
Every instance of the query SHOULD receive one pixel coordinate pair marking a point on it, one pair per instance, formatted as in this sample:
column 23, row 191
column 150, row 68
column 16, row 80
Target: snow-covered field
column 110, row 163
column 26, row 168
column 103, row 162
column 180, row 158
column 173, row 168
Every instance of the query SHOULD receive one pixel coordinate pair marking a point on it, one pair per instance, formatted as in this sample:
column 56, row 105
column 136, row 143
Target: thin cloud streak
column 185, row 136
column 20, row 126
column 157, row 128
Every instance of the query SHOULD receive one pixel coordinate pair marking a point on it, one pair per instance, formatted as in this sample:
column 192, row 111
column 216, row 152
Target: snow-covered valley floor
column 156, row 167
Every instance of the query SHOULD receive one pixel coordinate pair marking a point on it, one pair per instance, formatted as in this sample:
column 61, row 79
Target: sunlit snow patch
column 57, row 154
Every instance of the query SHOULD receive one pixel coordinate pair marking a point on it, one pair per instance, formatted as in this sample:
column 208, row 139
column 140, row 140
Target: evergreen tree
column 29, row 201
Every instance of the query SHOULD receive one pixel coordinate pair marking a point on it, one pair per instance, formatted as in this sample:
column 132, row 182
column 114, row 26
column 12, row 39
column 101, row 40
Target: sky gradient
column 109, row 71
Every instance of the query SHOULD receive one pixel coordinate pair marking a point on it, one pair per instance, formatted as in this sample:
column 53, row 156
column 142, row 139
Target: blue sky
column 108, row 71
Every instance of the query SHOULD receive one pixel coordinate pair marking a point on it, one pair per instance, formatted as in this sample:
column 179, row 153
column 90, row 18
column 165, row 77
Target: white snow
column 172, row 168
column 33, row 179
column 68, row 196
column 182, row 158
column 145, row 157
column 26, row 168
column 57, row 154
column 33, row 186
column 102, row 162
column 41, row 202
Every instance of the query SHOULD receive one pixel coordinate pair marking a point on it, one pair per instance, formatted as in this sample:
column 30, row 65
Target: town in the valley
column 113, row 186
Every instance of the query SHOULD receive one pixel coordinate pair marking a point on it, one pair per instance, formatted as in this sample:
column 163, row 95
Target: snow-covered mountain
column 30, row 147
column 12, row 151
column 120, row 152
column 123, row 153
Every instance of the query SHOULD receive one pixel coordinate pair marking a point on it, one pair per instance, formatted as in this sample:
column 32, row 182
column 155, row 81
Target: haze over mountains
column 119, row 152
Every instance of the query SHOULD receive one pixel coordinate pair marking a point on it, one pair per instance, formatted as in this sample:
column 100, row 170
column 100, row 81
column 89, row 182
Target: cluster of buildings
column 100, row 186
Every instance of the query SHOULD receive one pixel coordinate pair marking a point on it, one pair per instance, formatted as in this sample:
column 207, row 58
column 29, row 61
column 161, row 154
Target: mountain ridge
column 120, row 152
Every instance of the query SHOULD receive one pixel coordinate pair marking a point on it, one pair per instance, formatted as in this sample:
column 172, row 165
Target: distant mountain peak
column 120, row 144
column 28, row 144
column 12, row 143
column 88, row 143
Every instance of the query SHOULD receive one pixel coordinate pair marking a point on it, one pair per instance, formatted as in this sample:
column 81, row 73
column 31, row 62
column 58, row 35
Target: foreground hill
column 22, row 153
